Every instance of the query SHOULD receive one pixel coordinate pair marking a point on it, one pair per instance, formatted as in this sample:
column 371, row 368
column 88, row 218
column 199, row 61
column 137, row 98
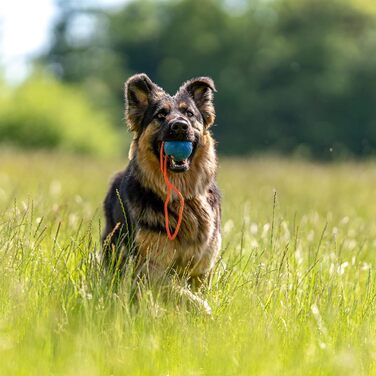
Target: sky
column 24, row 32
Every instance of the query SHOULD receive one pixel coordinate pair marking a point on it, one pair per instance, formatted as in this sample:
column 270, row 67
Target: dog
column 134, row 204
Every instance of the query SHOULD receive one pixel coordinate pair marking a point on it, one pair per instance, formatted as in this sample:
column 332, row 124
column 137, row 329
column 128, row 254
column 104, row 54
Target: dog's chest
column 199, row 242
column 196, row 244
column 198, row 221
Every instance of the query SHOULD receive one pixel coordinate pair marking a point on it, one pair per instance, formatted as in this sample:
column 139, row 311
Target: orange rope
column 170, row 187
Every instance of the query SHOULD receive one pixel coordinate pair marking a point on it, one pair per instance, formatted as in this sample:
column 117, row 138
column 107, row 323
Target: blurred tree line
column 292, row 75
column 43, row 113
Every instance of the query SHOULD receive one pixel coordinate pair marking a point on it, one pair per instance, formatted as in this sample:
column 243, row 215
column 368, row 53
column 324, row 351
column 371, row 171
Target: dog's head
column 155, row 116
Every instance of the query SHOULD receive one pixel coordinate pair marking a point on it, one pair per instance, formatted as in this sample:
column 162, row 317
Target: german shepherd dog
column 134, row 205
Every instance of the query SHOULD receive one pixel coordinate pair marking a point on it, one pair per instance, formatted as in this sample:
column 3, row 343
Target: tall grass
column 294, row 292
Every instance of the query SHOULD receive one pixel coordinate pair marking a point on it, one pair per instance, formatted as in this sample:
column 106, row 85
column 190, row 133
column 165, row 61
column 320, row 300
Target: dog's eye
column 161, row 115
column 189, row 113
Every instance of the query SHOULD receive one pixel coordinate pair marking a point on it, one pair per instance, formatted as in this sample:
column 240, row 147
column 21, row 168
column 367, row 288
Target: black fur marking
column 133, row 195
column 152, row 227
column 141, row 196
column 119, row 226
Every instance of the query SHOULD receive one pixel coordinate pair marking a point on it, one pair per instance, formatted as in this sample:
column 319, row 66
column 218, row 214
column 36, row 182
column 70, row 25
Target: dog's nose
column 179, row 126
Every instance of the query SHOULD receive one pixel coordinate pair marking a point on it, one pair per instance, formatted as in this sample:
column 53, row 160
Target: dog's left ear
column 140, row 92
column 201, row 90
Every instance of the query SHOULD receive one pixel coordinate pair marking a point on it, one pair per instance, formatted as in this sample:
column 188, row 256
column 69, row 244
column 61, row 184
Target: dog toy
column 179, row 150
column 170, row 187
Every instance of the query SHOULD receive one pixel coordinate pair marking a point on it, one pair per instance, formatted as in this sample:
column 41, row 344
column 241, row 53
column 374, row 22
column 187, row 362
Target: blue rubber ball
column 180, row 150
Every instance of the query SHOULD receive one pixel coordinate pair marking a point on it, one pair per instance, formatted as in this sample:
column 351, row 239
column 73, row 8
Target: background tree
column 291, row 75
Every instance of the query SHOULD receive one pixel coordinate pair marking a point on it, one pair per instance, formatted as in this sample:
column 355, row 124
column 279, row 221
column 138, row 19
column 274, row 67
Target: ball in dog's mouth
column 179, row 150
column 178, row 153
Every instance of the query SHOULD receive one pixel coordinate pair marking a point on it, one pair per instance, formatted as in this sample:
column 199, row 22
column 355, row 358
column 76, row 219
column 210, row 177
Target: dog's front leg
column 194, row 300
column 172, row 286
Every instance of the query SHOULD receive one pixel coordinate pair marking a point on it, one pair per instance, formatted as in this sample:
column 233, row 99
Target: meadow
column 294, row 292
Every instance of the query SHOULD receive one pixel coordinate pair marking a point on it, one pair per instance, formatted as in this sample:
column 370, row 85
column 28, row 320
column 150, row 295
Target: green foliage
column 294, row 293
column 43, row 113
column 290, row 74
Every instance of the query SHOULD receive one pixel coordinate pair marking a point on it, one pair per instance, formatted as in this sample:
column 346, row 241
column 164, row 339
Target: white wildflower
column 228, row 226
column 331, row 268
column 318, row 318
column 345, row 220
column 55, row 188
column 342, row 267
column 351, row 244
column 311, row 236
column 265, row 230
column 366, row 266
column 254, row 243
column 299, row 255
column 253, row 228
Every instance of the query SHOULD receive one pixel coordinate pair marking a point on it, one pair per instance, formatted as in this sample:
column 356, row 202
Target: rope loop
column 170, row 187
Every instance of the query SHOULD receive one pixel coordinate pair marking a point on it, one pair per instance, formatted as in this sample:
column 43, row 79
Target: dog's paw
column 207, row 307
column 199, row 303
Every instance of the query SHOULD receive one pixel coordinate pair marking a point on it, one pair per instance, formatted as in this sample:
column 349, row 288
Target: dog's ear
column 201, row 90
column 140, row 92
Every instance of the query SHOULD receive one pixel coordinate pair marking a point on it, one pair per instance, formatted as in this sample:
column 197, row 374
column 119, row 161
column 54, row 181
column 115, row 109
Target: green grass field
column 294, row 294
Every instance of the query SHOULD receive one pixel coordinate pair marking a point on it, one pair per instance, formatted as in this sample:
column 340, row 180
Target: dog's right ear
column 140, row 91
column 201, row 90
